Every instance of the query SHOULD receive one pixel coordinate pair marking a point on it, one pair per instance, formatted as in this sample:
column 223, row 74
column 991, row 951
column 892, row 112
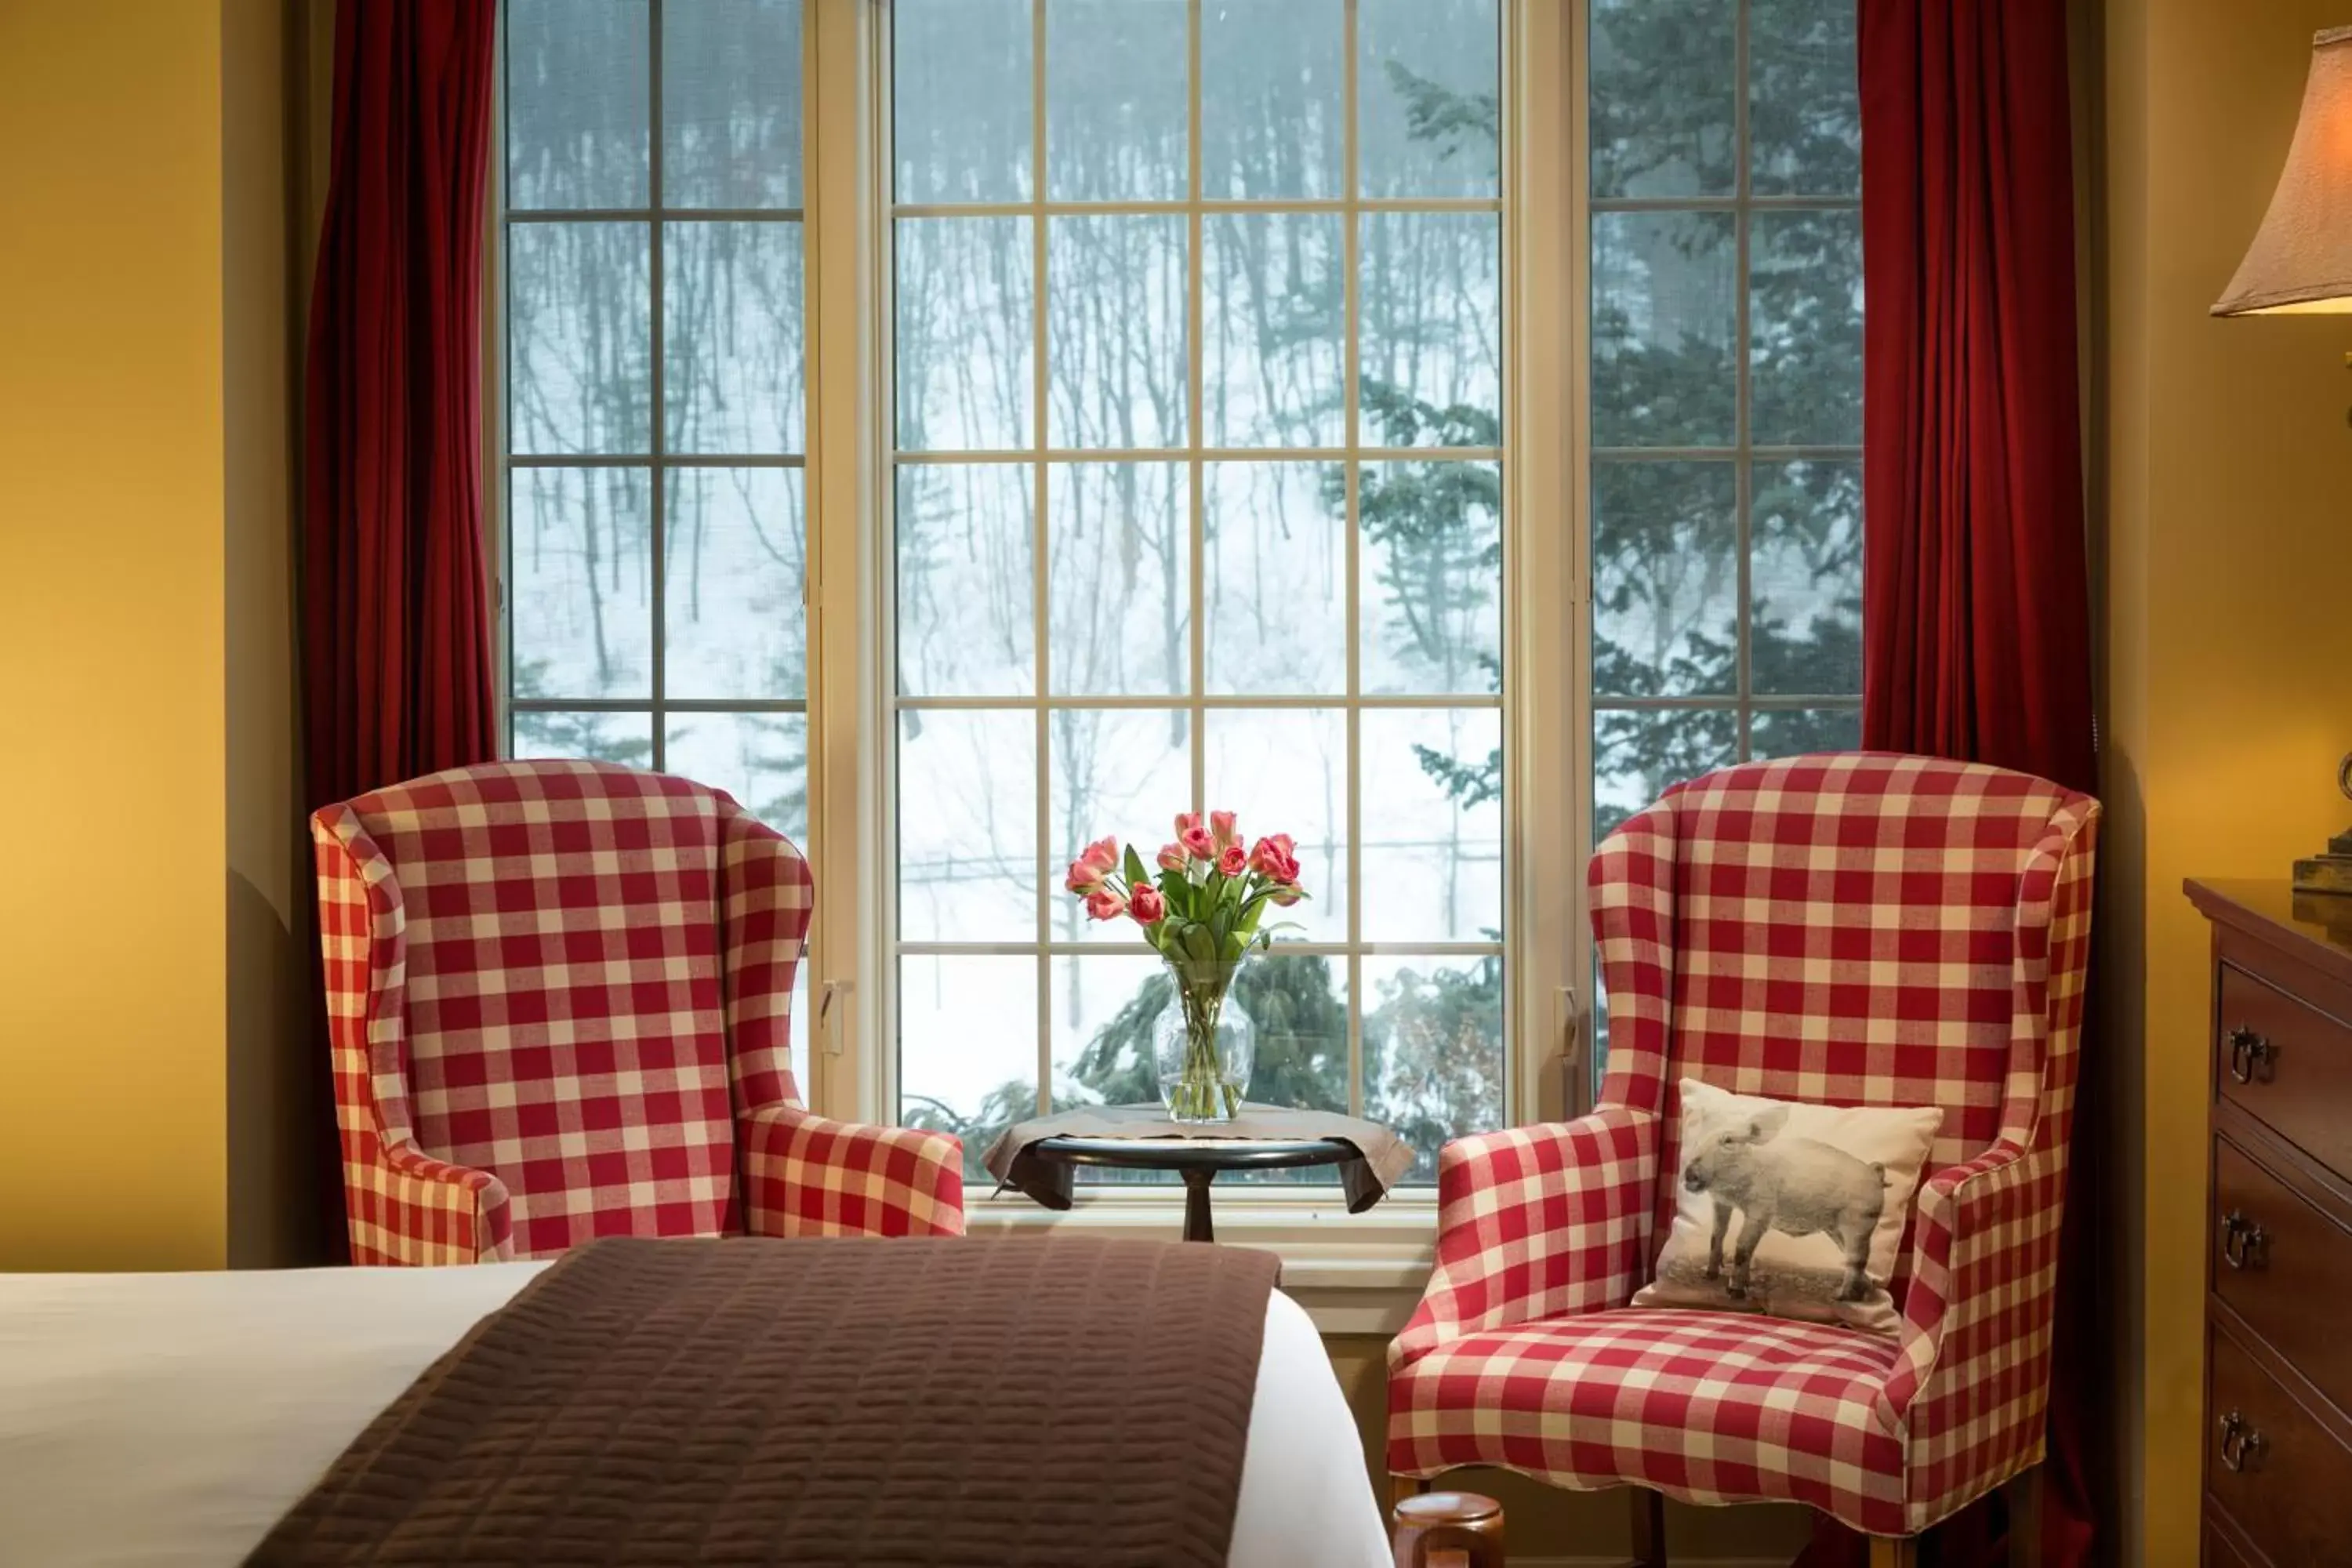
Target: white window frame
column 1546, row 741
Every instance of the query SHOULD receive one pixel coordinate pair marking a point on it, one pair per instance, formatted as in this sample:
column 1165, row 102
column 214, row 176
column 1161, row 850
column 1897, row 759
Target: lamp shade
column 2301, row 259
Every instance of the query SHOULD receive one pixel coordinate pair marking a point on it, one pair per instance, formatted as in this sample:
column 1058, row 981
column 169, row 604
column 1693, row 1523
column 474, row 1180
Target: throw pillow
column 1819, row 1194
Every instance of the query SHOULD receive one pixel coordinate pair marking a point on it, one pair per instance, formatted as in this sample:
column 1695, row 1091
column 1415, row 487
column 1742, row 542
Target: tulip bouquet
column 1202, row 913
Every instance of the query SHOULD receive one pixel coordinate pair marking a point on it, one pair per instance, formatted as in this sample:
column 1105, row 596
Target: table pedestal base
column 1196, row 1205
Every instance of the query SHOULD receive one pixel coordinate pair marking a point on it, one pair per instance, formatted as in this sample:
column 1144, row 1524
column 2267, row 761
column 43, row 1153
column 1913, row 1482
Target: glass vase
column 1203, row 1046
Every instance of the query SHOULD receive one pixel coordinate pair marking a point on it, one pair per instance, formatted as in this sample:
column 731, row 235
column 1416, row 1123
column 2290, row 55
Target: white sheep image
column 1802, row 1187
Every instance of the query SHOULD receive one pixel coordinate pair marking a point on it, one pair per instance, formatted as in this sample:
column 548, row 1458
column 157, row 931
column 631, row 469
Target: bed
column 173, row 1418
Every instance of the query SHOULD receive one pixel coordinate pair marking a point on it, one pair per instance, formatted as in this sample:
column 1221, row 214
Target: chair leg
column 1649, row 1514
column 1894, row 1552
column 2022, row 1492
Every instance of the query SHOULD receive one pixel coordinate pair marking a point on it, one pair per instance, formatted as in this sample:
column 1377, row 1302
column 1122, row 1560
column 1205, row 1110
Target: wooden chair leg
column 2022, row 1493
column 1649, row 1513
column 1894, row 1552
column 1448, row 1530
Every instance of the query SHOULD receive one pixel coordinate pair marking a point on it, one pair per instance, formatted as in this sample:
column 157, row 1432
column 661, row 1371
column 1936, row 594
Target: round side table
column 1198, row 1161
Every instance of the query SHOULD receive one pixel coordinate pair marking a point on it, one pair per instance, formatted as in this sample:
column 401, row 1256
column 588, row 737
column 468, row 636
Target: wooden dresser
column 2278, row 1270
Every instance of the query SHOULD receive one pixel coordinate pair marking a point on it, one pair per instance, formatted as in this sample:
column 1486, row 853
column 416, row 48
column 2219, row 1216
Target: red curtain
column 1976, row 597
column 396, row 618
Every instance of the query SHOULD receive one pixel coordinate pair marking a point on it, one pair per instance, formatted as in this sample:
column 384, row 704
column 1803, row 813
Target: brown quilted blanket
column 1063, row 1400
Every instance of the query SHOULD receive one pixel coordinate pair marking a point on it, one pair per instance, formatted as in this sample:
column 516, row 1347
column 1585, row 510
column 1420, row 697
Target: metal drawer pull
column 2243, row 1245
column 2242, row 1446
column 2248, row 1051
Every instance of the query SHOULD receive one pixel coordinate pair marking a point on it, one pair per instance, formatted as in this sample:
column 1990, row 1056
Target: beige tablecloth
column 1380, row 1158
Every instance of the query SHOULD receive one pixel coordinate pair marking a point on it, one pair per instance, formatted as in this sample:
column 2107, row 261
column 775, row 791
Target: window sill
column 1355, row 1274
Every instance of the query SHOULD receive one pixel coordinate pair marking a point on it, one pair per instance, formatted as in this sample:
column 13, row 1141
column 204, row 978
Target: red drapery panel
column 396, row 622
column 1976, row 599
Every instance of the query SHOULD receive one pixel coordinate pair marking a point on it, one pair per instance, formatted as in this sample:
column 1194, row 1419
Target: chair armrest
column 1972, row 1379
column 806, row 1174
column 405, row 1207
column 1537, row 1222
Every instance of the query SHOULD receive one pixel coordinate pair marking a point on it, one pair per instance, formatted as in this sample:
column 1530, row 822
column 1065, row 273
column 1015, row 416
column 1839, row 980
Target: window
column 1215, row 365
column 1198, row 462
column 1726, row 408
column 1727, row 388
column 655, row 519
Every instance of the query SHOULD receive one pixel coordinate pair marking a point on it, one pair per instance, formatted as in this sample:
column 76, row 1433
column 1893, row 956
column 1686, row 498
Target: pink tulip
column 1275, row 859
column 1146, row 904
column 1232, row 861
column 1194, row 837
column 1104, row 904
column 1224, row 829
column 1098, row 860
column 1172, row 857
column 1283, row 894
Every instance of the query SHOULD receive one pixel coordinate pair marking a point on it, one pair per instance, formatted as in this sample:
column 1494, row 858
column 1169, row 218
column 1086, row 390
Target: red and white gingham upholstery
column 560, row 1000
column 1852, row 930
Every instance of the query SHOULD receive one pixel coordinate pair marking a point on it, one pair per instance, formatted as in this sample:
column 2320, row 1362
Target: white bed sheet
column 171, row 1418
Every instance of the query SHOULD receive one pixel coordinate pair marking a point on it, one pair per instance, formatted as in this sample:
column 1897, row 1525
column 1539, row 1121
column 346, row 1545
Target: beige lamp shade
column 2301, row 259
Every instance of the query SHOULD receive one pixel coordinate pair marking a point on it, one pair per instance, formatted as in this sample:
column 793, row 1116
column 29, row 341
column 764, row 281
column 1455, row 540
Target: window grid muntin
column 657, row 461
column 1043, row 457
column 1744, row 454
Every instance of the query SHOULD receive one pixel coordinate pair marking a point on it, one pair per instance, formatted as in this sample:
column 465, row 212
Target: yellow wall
column 143, row 441
column 2228, row 649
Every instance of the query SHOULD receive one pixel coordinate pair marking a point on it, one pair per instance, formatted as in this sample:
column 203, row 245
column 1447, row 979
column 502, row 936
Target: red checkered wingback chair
column 561, row 1001
column 1852, row 930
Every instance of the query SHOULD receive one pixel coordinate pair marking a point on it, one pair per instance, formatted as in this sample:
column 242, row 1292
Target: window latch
column 832, row 1033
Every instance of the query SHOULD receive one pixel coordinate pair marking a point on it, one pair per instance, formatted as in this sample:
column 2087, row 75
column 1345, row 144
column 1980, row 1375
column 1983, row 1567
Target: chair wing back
column 1861, row 928
column 547, row 998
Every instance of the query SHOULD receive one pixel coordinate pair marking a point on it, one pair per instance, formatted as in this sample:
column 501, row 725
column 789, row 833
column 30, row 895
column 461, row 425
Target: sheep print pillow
column 1794, row 1210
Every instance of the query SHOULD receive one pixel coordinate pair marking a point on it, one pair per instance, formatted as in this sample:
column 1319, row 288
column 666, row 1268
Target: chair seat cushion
column 1709, row 1407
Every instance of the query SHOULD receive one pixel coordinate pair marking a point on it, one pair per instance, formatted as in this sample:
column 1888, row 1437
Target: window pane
column 1805, row 113
column 1115, row 101
column 967, row 1048
column 1804, row 317
column 579, row 547
column 1117, row 563
column 1119, row 774
column 1270, row 110
column 732, row 331
column 1663, row 317
column 966, row 584
column 579, row 340
column 625, row 737
column 577, row 86
column 965, row 334
column 1664, row 78
column 1271, row 318
column 1433, row 577
column 1298, row 1004
column 732, row 104
column 1433, row 825
column 734, row 561
column 1793, row 731
column 967, row 826
column 761, row 759
column 1115, row 331
column 1104, row 1008
column 1433, row 1050
column 963, row 119
column 1665, row 579
column 1285, row 770
column 1275, row 578
column 1431, row 356
column 1427, row 104
column 1637, row 753
column 1805, row 631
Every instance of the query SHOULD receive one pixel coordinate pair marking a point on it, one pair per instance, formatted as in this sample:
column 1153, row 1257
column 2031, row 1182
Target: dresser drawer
column 2286, row 1268
column 2271, row 1466
column 2288, row 1064
column 2219, row 1554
